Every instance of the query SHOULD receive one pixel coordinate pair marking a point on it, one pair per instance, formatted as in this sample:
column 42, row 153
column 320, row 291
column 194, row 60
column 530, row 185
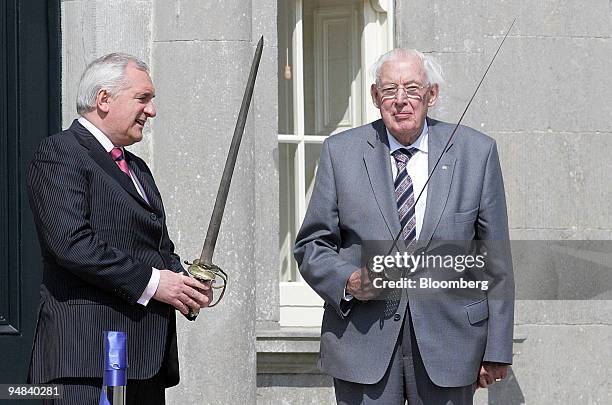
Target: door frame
column 31, row 109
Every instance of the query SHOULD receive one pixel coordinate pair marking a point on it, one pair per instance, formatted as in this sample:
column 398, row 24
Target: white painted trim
column 299, row 304
column 356, row 87
column 390, row 25
column 377, row 39
column 300, row 181
column 287, row 138
column 382, row 6
column 298, row 113
column 297, row 295
column 302, row 316
column 298, row 71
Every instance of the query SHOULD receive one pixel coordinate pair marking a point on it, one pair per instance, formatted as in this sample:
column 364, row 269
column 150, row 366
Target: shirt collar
column 99, row 135
column 420, row 144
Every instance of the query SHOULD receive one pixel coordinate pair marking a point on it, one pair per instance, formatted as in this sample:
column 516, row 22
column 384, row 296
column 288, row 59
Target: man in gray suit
column 431, row 348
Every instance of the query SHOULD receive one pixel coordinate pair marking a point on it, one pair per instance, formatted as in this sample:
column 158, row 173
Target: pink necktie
column 117, row 155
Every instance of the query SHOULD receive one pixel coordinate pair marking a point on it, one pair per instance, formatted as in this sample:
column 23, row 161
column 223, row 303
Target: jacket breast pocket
column 457, row 226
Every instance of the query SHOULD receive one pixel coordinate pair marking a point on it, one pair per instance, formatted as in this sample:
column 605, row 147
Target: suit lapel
column 146, row 181
column 104, row 160
column 439, row 186
column 378, row 166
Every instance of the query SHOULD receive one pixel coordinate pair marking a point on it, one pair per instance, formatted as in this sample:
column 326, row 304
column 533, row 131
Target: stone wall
column 200, row 54
column 546, row 101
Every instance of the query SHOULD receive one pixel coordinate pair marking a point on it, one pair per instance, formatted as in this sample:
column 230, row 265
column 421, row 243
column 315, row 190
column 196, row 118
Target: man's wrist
column 151, row 288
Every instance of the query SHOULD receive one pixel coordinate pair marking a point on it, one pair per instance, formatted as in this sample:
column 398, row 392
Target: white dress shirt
column 107, row 144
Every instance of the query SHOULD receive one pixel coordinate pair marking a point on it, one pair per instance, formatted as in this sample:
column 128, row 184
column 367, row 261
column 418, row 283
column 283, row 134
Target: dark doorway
column 29, row 110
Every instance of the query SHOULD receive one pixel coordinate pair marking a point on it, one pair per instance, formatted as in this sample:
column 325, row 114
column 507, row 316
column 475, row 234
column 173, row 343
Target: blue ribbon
column 103, row 398
column 115, row 359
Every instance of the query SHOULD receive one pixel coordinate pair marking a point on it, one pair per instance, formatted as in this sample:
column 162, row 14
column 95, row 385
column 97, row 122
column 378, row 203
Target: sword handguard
column 206, row 272
column 202, row 271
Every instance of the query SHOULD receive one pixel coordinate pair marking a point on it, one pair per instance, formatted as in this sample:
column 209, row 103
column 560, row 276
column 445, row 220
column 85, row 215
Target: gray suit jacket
column 353, row 201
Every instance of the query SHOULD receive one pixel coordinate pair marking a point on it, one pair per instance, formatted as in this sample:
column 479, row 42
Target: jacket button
column 153, row 216
column 397, row 317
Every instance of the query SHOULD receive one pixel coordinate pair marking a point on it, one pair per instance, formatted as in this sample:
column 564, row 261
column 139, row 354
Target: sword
column 394, row 244
column 203, row 268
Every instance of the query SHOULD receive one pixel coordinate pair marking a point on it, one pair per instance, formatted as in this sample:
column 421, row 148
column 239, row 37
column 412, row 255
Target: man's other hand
column 360, row 286
column 182, row 292
column 490, row 373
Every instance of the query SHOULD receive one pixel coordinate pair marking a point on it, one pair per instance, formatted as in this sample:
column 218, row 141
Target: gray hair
column 433, row 70
column 105, row 73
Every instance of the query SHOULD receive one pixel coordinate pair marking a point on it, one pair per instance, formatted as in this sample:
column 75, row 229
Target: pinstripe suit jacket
column 99, row 240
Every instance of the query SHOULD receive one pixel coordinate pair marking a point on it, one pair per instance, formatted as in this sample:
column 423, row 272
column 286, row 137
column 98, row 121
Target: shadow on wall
column 507, row 392
column 295, row 380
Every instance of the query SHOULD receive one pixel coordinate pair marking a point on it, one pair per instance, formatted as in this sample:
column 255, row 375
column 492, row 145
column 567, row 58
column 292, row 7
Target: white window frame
column 299, row 304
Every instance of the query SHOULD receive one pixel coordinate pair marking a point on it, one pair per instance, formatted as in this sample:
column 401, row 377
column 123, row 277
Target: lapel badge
column 444, row 167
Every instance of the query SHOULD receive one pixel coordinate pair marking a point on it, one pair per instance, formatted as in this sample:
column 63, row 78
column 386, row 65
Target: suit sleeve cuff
column 149, row 291
column 347, row 296
column 346, row 303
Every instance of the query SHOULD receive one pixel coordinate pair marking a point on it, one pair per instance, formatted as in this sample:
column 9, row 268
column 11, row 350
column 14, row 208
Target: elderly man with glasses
column 424, row 347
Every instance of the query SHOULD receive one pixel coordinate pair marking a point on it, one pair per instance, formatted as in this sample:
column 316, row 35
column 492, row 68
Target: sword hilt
column 206, row 272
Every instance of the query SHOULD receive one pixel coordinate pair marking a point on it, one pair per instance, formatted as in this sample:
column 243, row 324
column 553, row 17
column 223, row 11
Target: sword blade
column 394, row 245
column 217, row 214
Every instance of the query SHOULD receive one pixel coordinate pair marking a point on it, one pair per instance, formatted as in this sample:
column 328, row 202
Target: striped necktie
column 404, row 195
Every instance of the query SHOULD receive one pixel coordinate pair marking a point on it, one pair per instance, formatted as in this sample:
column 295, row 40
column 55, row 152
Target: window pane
column 332, row 83
column 288, row 214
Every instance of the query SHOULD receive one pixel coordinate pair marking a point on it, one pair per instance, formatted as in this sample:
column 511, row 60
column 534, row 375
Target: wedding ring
column 498, row 379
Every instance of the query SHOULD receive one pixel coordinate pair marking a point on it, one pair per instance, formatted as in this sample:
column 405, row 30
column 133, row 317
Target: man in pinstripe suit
column 109, row 263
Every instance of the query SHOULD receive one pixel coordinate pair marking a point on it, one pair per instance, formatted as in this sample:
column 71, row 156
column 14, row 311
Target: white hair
column 433, row 70
column 105, row 73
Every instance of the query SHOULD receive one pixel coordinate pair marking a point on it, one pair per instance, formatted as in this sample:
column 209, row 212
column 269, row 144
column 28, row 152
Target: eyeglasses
column 413, row 91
